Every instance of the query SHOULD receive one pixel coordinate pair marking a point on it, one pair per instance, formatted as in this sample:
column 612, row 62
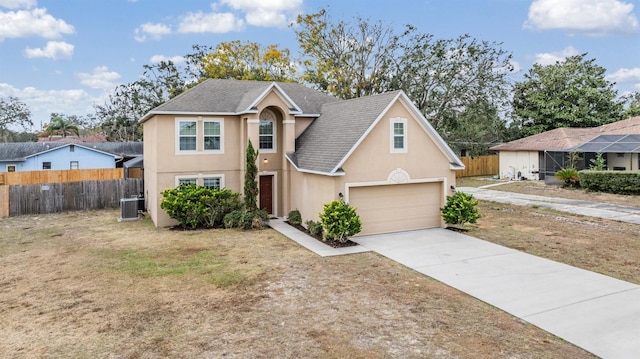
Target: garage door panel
column 393, row 208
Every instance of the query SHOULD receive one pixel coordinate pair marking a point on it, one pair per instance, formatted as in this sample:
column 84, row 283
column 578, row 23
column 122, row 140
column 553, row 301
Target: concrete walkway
column 597, row 313
column 585, row 208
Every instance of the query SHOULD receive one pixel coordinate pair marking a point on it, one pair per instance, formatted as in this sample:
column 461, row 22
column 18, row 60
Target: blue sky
column 64, row 56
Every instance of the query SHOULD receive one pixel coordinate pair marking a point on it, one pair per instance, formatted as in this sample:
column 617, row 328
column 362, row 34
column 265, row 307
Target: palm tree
column 61, row 126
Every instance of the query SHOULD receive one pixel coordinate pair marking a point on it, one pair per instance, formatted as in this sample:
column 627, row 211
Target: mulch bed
column 332, row 243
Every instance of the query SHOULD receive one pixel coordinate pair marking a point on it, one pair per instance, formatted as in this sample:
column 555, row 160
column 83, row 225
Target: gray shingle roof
column 235, row 96
column 331, row 136
column 19, row 151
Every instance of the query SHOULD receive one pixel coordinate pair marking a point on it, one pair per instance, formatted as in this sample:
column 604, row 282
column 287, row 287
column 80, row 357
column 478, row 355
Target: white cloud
column 550, row 58
column 100, row 78
column 42, row 103
column 177, row 60
column 56, row 50
column 266, row 13
column 15, row 4
column 625, row 75
column 591, row 17
column 153, row 31
column 217, row 23
column 36, row 22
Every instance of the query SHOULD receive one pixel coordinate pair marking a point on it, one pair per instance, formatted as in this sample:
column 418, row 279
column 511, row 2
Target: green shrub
column 460, row 209
column 246, row 219
column 233, row 219
column 339, row 221
column 295, row 218
column 196, row 206
column 618, row 182
column 314, row 228
column 569, row 177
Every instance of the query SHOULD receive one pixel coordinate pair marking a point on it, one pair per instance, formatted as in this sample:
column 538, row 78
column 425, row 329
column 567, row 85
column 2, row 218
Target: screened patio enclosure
column 620, row 152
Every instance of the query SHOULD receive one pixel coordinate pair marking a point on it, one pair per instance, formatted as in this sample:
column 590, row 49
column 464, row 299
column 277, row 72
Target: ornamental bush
column 339, row 221
column 295, row 218
column 314, row 228
column 569, row 177
column 196, row 206
column 460, row 209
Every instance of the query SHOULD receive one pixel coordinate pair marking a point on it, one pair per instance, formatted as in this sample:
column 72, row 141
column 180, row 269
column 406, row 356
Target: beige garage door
column 399, row 207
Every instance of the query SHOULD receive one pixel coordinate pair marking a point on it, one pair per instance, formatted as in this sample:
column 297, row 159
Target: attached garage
column 398, row 207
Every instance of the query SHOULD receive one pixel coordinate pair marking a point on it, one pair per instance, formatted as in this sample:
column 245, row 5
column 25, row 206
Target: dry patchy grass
column 81, row 285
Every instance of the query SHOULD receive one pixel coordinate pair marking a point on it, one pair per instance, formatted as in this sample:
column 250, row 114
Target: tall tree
column 570, row 93
column 13, row 113
column 248, row 61
column 462, row 86
column 345, row 60
column 632, row 104
column 443, row 77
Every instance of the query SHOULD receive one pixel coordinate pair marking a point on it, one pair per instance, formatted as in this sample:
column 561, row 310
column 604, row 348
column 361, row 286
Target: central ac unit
column 128, row 209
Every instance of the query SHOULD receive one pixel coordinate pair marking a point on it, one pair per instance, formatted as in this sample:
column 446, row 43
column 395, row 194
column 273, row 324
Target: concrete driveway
column 595, row 312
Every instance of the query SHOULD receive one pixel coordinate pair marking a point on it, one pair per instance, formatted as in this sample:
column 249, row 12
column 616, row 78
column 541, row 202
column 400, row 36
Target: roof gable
column 331, row 139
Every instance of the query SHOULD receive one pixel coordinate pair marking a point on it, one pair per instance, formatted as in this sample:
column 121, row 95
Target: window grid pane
column 266, row 142
column 187, row 128
column 398, row 142
column 187, row 143
column 212, row 128
column 212, row 182
column 212, row 142
column 398, row 128
column 187, row 181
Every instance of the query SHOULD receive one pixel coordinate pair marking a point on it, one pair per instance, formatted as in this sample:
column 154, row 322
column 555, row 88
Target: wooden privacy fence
column 67, row 196
column 37, row 177
column 480, row 166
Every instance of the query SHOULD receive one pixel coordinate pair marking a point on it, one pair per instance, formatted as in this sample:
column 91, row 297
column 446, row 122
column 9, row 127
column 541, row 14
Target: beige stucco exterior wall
column 627, row 160
column 309, row 192
column 523, row 161
column 372, row 163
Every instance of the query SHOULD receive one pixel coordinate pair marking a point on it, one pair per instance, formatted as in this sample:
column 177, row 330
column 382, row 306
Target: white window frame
column 393, row 135
column 50, row 165
column 77, row 165
column 9, row 167
column 273, row 148
column 200, row 178
column 178, row 136
column 221, row 122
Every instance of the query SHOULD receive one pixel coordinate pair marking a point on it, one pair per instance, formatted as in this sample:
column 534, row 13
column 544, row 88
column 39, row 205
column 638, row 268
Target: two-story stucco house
column 378, row 152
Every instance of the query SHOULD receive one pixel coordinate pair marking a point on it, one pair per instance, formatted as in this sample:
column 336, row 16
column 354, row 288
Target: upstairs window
column 188, row 135
column 74, row 165
column 267, row 131
column 212, row 135
column 398, row 135
column 46, row 165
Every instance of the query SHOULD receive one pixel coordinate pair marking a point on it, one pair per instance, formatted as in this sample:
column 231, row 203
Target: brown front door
column 266, row 193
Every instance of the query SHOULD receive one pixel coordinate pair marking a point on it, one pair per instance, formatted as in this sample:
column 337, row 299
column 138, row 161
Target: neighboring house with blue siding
column 35, row 156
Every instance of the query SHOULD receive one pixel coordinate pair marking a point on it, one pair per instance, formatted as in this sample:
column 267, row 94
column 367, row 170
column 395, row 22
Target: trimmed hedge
column 618, row 182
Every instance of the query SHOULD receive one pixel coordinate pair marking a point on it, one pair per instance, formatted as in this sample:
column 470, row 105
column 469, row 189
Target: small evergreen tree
column 250, row 182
